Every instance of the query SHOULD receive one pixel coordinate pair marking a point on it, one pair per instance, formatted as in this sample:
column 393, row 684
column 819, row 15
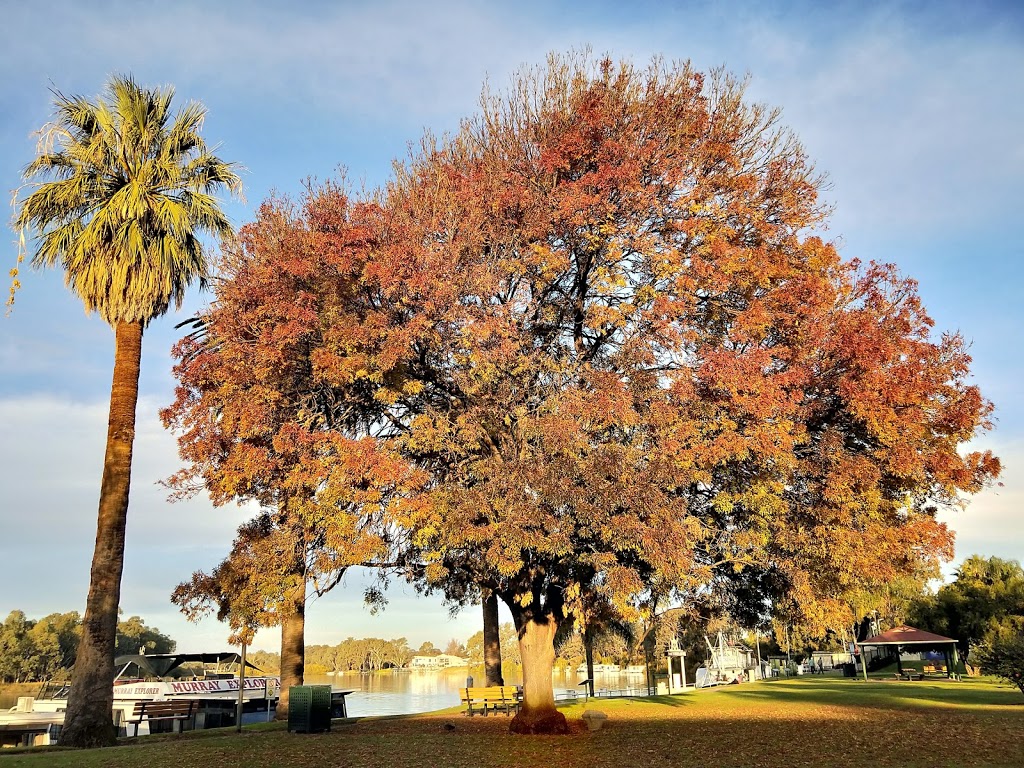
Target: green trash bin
column 309, row 708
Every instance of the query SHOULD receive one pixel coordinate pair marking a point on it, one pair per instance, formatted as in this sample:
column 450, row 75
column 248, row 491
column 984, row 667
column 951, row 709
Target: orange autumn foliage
column 256, row 416
column 652, row 375
column 591, row 349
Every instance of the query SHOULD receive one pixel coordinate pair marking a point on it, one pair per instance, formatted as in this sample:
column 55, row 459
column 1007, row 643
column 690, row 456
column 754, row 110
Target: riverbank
column 839, row 723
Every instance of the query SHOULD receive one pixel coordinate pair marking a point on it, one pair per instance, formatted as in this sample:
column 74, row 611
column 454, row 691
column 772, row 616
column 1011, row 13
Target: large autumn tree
column 265, row 413
column 599, row 324
column 119, row 196
column 640, row 368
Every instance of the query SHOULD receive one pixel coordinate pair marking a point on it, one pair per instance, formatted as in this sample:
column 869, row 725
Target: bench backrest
column 162, row 708
column 493, row 692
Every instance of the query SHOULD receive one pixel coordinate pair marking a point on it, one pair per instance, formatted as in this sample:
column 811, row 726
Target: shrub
column 1002, row 656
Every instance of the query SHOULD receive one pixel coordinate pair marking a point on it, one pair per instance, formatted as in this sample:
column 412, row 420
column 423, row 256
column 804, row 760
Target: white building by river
column 441, row 661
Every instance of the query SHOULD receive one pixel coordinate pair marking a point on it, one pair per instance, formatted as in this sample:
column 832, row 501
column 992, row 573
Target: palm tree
column 120, row 193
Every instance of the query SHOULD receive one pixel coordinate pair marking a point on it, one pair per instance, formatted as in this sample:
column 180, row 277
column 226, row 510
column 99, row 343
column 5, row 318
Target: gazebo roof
column 907, row 636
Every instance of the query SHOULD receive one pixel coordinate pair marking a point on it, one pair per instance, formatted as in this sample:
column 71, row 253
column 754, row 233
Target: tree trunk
column 293, row 648
column 492, row 641
column 89, row 718
column 588, row 649
column 537, row 648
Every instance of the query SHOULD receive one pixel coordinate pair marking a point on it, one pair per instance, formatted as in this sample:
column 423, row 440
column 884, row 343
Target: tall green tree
column 986, row 599
column 17, row 651
column 119, row 195
column 133, row 636
column 1003, row 656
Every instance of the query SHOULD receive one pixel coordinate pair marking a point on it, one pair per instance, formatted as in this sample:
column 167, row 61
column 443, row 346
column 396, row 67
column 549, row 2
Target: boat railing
column 52, row 689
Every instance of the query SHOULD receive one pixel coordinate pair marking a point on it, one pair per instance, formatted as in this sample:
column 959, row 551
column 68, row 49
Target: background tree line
column 45, row 648
column 983, row 605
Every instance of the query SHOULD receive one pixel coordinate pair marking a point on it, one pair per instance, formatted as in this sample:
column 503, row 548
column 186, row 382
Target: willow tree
column 119, row 196
column 637, row 364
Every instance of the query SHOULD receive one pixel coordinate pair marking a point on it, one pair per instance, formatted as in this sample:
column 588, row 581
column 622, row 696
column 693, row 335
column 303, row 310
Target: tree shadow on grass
column 879, row 693
column 615, row 702
column 762, row 725
column 712, row 732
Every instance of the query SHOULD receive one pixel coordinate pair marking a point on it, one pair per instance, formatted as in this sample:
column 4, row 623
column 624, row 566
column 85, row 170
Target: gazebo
column 914, row 639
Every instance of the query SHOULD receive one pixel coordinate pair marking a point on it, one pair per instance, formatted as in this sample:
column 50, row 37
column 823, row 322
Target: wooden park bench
column 150, row 711
column 496, row 698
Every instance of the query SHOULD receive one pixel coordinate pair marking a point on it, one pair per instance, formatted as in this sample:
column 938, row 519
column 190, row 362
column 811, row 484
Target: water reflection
column 405, row 691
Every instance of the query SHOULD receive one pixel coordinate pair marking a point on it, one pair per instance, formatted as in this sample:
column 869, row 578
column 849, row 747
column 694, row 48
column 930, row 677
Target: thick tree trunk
column 537, row 648
column 293, row 648
column 89, row 718
column 492, row 640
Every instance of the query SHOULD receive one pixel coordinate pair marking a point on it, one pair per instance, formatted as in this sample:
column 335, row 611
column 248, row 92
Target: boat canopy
column 163, row 664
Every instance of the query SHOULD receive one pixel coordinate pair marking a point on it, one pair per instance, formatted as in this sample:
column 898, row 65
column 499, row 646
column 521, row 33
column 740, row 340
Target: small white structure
column 676, row 667
column 829, row 660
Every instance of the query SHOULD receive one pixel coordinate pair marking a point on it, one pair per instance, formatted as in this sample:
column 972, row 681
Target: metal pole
column 241, row 691
column 757, row 644
column 789, row 652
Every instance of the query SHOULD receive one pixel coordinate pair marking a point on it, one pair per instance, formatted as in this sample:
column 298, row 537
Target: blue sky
column 914, row 110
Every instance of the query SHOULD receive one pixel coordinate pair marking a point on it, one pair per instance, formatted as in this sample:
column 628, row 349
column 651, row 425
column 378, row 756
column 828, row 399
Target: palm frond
column 119, row 195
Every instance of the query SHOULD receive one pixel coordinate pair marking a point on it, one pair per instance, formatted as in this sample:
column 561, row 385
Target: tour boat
column 208, row 679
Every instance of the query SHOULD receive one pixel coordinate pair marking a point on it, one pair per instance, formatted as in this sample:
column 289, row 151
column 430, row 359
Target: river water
column 405, row 691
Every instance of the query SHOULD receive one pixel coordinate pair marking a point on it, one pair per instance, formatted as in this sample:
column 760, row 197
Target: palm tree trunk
column 492, row 640
column 89, row 720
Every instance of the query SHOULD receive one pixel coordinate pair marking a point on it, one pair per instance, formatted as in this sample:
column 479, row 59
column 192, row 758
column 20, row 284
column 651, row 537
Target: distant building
column 830, row 659
column 441, row 661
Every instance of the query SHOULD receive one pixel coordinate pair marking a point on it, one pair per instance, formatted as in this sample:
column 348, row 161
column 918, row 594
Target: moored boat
column 209, row 680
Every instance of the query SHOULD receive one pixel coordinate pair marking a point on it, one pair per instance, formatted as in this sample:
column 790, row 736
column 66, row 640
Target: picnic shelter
column 910, row 639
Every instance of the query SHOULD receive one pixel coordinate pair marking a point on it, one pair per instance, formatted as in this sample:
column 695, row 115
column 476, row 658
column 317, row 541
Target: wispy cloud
column 52, row 456
column 993, row 521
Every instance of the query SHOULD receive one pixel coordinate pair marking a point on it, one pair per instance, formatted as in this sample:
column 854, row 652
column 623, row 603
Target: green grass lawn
column 796, row 722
